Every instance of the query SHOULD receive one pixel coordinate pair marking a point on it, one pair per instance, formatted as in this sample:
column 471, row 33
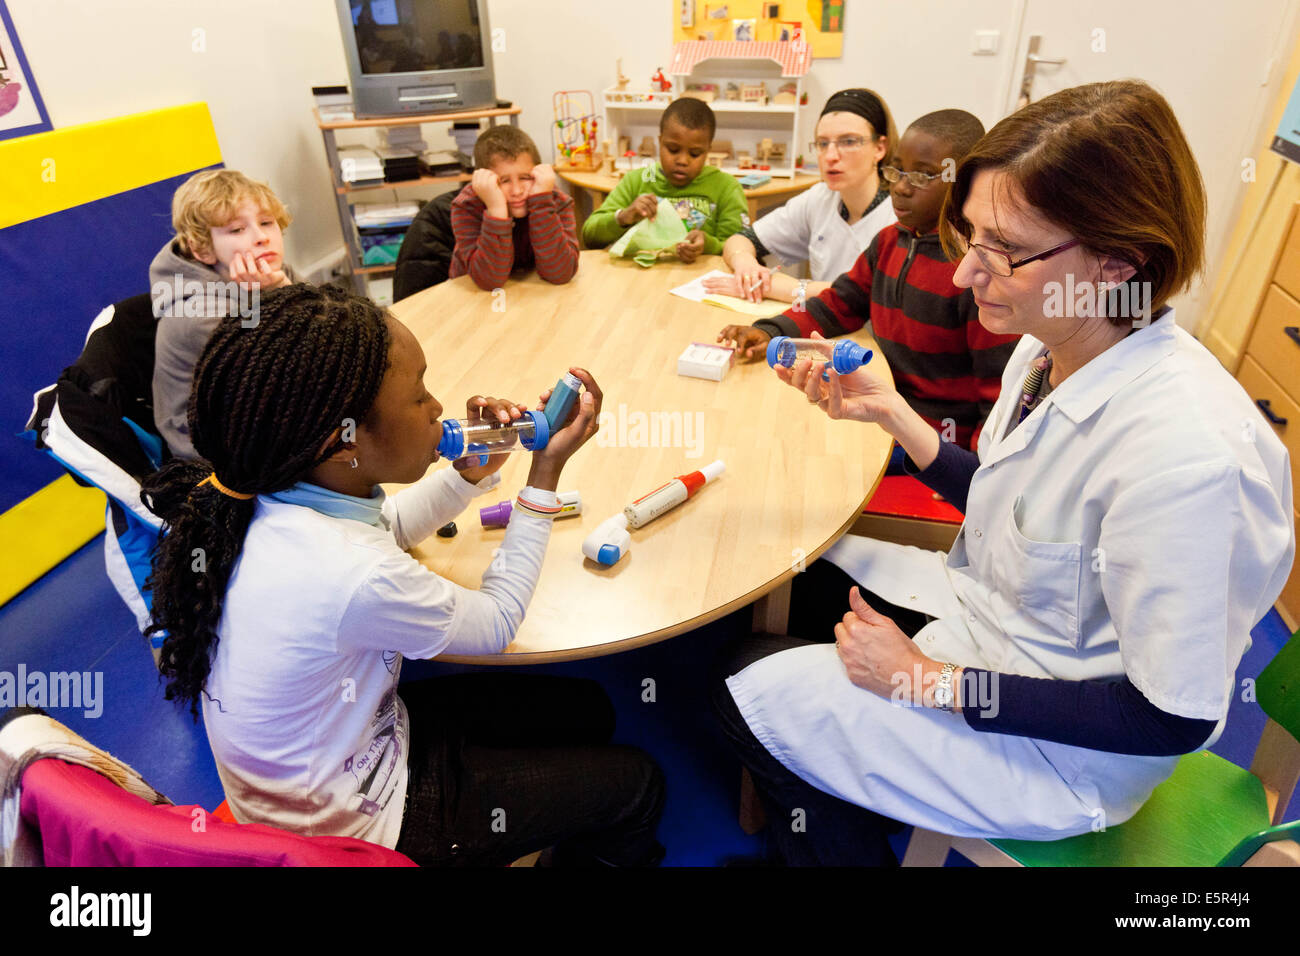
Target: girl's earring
column 354, row 463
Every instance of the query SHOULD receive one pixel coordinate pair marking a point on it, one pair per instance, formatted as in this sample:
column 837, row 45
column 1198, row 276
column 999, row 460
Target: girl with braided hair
column 288, row 601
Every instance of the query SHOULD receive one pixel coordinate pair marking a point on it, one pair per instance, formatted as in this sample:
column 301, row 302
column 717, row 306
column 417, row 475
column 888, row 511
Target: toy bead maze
column 574, row 130
column 83, row 210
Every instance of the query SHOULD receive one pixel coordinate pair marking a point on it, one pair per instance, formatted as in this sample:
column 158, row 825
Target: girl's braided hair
column 265, row 400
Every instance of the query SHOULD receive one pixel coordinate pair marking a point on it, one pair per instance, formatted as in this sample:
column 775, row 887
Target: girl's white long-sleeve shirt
column 301, row 704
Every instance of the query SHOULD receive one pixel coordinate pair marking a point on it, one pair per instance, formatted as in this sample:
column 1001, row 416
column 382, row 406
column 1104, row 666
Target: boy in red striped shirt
column 510, row 216
column 947, row 365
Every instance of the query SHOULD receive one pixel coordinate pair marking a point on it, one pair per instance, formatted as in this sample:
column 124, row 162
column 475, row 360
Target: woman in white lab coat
column 1128, row 520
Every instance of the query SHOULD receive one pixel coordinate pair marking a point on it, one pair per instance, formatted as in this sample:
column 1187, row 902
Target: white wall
column 94, row 60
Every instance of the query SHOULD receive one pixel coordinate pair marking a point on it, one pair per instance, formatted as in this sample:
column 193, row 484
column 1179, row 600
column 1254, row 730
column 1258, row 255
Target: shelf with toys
column 754, row 89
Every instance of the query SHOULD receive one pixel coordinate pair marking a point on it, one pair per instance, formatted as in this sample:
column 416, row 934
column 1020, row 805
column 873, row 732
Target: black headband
column 863, row 103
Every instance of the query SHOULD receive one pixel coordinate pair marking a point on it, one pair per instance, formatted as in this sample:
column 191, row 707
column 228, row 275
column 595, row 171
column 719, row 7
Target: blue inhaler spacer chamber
column 461, row 438
column 846, row 356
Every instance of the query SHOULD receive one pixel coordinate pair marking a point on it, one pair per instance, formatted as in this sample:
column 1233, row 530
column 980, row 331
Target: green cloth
column 646, row 239
column 712, row 202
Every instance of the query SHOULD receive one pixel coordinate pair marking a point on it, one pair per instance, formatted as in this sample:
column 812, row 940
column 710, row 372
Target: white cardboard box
column 701, row 360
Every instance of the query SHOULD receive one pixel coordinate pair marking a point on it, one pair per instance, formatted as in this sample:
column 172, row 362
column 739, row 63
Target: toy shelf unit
column 359, row 171
column 754, row 90
column 632, row 124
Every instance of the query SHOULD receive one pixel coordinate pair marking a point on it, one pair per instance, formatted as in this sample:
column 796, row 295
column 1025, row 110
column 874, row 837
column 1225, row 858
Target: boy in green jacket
column 710, row 202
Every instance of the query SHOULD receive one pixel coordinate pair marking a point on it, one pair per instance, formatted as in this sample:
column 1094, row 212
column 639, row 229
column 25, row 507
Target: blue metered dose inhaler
column 561, row 401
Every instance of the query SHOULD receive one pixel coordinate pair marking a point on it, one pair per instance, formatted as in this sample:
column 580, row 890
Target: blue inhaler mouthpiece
column 780, row 351
column 541, row 432
column 849, row 357
column 608, row 554
column 452, row 443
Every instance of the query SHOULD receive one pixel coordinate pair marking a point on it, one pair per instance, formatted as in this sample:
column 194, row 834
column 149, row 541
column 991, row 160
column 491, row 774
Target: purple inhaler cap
column 495, row 516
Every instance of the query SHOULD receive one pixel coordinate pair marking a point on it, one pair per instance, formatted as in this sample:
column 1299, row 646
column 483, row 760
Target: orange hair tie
column 212, row 480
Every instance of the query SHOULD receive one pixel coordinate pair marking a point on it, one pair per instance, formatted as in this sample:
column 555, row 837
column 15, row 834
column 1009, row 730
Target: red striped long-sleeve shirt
column 946, row 365
column 488, row 249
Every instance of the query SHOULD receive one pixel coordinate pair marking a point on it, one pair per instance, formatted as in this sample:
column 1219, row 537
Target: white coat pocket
column 1039, row 580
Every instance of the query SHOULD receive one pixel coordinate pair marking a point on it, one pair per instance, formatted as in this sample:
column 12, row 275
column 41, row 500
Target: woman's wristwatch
column 944, row 691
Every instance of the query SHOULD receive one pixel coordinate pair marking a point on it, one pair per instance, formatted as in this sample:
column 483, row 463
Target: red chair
column 84, row 819
column 904, row 511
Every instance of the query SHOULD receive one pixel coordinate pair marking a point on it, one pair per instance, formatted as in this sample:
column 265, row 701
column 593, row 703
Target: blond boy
column 228, row 248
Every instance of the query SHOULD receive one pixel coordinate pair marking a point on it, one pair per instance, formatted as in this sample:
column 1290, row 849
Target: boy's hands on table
column 690, row 249
column 643, row 207
column 248, row 270
column 582, row 423
column 481, row 408
column 488, row 188
column 543, row 179
column 750, row 343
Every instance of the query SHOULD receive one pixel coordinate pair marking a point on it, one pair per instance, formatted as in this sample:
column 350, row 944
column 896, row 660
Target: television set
column 417, row 56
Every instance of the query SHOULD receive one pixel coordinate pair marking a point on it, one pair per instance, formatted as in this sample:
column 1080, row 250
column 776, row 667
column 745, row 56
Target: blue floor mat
column 72, row 619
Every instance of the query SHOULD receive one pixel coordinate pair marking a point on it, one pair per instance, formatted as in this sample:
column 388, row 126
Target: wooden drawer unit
column 1259, row 385
column 1287, row 271
column 1270, row 372
column 1275, row 343
column 1289, row 602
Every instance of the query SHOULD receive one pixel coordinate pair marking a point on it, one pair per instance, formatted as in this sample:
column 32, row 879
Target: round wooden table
column 590, row 190
column 795, row 480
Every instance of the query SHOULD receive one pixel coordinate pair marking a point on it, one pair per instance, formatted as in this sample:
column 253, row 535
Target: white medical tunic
column 810, row 226
column 1137, row 524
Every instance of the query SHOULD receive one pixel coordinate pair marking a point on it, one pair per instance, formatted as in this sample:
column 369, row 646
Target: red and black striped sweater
column 490, row 249
column 946, row 365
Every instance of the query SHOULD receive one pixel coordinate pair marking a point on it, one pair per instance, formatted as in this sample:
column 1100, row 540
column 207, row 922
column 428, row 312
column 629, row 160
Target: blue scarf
column 336, row 505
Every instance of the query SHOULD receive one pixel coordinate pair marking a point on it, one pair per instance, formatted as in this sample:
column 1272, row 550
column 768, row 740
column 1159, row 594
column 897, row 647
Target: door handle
column 1032, row 60
column 1294, row 332
column 1267, row 408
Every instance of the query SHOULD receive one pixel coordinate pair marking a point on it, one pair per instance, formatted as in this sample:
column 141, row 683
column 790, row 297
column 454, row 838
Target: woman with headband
column 830, row 224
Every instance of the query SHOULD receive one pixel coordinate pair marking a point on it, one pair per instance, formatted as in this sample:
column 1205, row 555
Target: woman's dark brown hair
column 1109, row 163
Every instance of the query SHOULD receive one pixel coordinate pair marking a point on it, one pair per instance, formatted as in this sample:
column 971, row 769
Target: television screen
column 416, row 36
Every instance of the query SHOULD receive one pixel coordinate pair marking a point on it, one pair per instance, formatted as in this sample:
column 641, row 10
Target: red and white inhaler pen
column 668, row 496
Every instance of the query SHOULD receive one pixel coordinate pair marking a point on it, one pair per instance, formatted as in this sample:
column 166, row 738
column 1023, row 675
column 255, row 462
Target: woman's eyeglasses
column 918, row 180
column 998, row 262
column 845, row 144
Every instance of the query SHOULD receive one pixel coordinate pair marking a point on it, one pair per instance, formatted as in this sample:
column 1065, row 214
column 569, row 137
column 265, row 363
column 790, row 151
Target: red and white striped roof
column 795, row 58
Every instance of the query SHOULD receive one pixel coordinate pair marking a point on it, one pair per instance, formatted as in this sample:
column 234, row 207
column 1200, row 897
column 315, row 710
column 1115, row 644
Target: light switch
column 986, row 42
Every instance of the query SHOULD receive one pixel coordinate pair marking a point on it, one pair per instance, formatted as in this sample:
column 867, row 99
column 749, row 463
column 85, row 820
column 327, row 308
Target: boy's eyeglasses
column 918, row 180
column 845, row 144
column 998, row 262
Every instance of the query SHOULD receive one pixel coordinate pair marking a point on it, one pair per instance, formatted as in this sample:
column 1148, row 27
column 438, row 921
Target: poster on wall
column 1286, row 142
column 21, row 109
column 819, row 23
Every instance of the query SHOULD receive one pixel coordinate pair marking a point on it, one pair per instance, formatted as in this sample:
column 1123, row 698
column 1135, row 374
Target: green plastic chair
column 1209, row 813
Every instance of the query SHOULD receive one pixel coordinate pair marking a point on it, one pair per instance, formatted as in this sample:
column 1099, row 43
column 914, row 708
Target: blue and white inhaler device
column 461, row 437
column 841, row 354
column 609, row 542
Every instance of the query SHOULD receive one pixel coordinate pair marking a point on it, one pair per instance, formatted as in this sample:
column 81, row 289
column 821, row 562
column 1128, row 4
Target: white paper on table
column 694, row 290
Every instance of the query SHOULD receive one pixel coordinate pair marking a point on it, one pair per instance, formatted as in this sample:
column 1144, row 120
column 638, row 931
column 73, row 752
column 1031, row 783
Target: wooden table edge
column 509, row 659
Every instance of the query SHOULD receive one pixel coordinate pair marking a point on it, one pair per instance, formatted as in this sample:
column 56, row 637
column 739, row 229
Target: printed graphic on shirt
column 694, row 211
column 375, row 770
